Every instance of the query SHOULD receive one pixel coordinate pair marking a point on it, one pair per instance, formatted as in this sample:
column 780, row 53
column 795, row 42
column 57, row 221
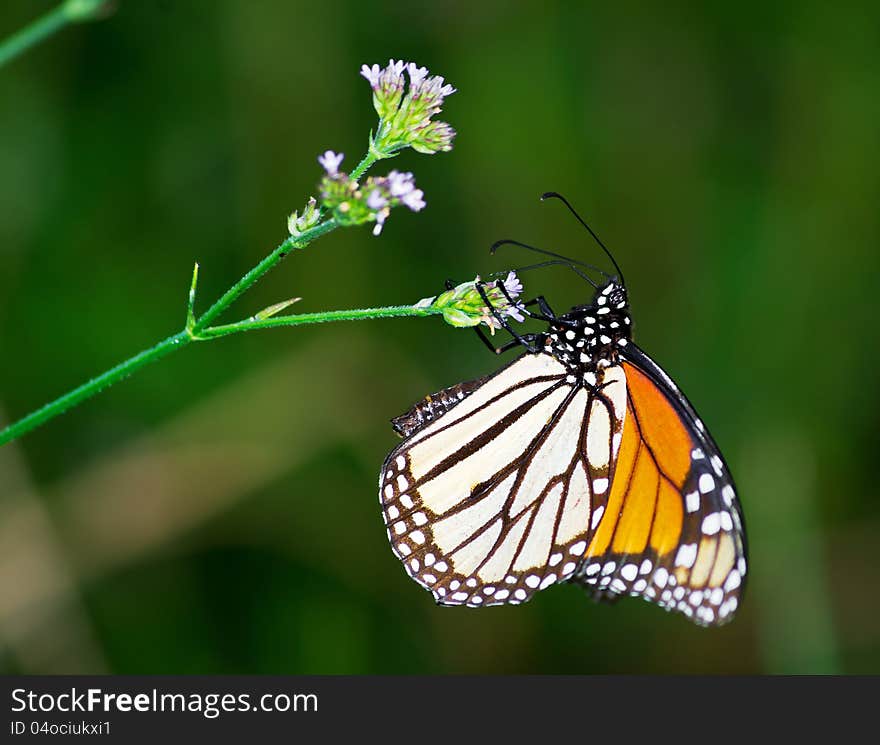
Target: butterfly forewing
column 499, row 496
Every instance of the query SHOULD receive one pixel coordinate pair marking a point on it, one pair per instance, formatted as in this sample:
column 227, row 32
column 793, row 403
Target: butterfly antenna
column 562, row 259
column 554, row 262
column 557, row 195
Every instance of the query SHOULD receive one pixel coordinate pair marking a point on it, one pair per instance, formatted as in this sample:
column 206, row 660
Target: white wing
column 499, row 496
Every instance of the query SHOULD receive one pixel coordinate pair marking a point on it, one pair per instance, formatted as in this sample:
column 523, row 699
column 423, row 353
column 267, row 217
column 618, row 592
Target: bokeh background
column 218, row 512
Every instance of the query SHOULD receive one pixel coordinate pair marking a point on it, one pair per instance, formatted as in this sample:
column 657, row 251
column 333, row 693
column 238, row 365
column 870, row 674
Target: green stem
column 68, row 12
column 95, row 385
column 172, row 343
column 361, row 168
column 360, row 314
column 199, row 329
column 234, row 292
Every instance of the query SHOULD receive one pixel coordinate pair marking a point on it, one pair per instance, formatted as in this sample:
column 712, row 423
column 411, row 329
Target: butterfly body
column 580, row 461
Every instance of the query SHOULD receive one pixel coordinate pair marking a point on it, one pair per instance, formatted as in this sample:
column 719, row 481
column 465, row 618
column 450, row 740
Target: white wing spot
column 597, row 516
column 417, row 536
column 402, row 483
column 660, row 577
column 441, row 566
column 707, row 483
column 401, row 461
column 533, row 580
column 599, row 486
column 520, row 594
column 569, row 568
column 692, row 501
column 629, row 572
column 555, row 559
column 686, row 555
column 393, row 512
column 502, row 594
column 419, row 518
column 711, row 523
column 578, row 548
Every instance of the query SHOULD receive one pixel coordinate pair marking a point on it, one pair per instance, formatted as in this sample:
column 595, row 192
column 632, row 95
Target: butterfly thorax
column 589, row 337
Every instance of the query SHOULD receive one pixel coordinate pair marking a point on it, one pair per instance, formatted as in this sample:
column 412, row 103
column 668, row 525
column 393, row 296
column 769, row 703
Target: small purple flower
column 400, row 184
column 330, row 162
column 416, row 75
column 371, row 74
column 391, row 78
column 513, row 285
column 376, row 201
column 414, row 200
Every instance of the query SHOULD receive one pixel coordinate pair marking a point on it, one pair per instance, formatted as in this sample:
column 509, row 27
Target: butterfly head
column 589, row 337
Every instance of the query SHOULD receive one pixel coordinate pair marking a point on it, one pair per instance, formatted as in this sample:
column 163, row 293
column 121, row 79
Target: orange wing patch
column 671, row 532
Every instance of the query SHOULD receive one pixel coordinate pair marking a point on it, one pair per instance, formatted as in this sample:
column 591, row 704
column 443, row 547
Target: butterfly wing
column 500, row 494
column 673, row 532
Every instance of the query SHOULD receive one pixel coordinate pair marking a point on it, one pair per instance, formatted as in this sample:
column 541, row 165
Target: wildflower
column 376, row 201
column 464, row 305
column 353, row 203
column 330, row 162
column 387, row 85
column 406, row 120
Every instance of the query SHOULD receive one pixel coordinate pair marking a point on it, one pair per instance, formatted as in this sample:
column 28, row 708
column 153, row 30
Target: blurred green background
column 218, row 512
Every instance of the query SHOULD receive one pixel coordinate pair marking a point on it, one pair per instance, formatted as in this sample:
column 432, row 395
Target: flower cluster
column 353, row 203
column 464, row 306
column 405, row 119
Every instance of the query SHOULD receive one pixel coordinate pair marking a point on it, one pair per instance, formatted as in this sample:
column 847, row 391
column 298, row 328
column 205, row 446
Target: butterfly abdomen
column 433, row 406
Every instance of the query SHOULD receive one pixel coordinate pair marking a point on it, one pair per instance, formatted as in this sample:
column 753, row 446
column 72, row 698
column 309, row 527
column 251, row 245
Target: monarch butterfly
column 580, row 461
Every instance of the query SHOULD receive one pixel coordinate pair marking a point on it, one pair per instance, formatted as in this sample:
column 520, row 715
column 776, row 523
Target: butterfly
column 580, row 461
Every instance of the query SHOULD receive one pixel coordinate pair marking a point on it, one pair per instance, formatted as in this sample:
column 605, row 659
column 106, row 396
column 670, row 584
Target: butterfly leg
column 529, row 341
column 546, row 313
